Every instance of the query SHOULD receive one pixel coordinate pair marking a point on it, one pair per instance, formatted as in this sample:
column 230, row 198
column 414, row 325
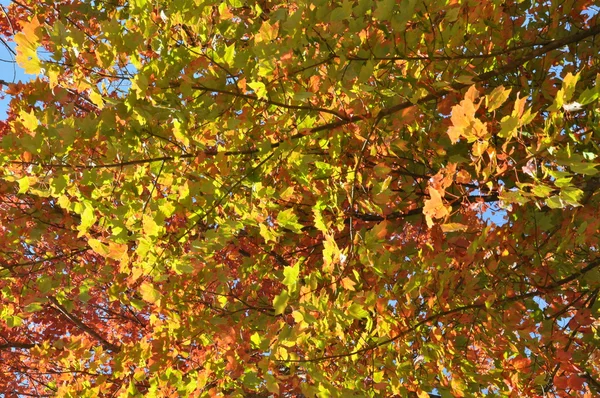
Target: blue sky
column 9, row 70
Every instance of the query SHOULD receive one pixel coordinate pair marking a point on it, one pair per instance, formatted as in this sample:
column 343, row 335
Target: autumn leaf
column 453, row 227
column 291, row 275
column 464, row 122
column 497, row 97
column 287, row 219
column 280, row 302
column 27, row 43
column 211, row 200
column 149, row 293
column 434, row 207
column 29, row 120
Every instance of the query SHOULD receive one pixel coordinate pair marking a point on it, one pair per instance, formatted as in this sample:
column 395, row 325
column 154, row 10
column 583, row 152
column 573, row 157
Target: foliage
column 327, row 198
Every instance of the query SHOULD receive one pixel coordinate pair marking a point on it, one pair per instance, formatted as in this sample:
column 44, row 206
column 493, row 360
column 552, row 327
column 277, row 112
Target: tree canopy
column 288, row 198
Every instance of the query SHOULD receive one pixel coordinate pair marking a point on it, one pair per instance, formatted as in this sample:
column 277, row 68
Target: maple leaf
column 434, row 207
column 464, row 122
column 27, row 45
column 229, row 199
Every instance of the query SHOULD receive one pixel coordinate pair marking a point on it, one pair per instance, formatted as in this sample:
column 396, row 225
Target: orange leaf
column 463, row 177
column 464, row 122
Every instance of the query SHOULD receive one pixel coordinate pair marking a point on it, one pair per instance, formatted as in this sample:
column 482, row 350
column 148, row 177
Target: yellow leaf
column 178, row 134
column 331, row 252
column 27, row 43
column 380, row 230
column 52, row 78
column 259, row 89
column 98, row 247
column 29, row 121
column 117, row 251
column 267, row 32
column 472, row 94
column 348, row 284
column 113, row 250
column 24, row 184
column 434, row 207
column 149, row 293
column 519, row 107
column 497, row 97
column 568, row 86
column 457, row 387
column 150, row 226
column 453, row 227
column 96, row 99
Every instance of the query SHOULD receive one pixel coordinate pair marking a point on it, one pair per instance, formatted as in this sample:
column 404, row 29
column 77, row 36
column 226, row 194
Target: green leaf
column 140, row 4
column 563, row 182
column 584, row 168
column 357, row 311
column 88, row 218
column 280, row 302
column 291, row 275
column 229, row 54
column 288, row 219
column 554, row 202
column 33, row 307
column 319, row 220
column 138, row 304
column 589, row 95
column 383, row 9
column 44, row 283
column 251, row 379
column 182, row 267
column 268, row 234
column 542, row 191
column 58, row 184
column 303, row 96
column 13, row 321
column 571, row 195
column 341, row 13
column 272, row 384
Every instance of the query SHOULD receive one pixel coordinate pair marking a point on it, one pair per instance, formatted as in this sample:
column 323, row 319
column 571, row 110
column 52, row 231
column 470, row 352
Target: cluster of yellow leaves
column 434, row 206
column 464, row 122
column 27, row 43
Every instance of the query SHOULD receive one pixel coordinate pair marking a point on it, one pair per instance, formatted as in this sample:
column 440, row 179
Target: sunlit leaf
column 280, row 302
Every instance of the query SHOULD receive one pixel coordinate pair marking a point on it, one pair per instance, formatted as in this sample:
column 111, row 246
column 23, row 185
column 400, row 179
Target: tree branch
column 440, row 314
column 551, row 45
column 106, row 344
